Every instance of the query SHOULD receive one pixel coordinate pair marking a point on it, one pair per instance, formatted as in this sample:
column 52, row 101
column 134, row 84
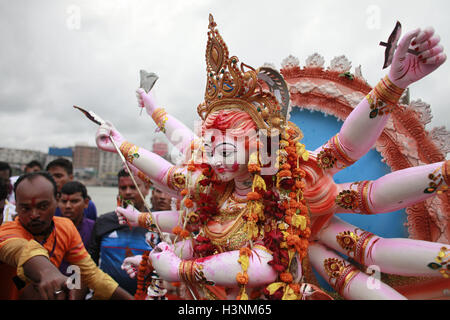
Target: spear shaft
column 135, row 184
column 96, row 119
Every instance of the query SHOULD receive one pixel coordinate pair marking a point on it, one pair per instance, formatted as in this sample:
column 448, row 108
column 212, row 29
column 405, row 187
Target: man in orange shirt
column 34, row 244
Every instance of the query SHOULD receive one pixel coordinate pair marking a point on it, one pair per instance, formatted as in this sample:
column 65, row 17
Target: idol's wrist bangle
column 129, row 151
column 384, row 97
column 160, row 118
column 145, row 220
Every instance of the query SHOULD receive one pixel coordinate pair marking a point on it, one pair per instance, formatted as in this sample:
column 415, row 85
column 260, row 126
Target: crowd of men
column 54, row 245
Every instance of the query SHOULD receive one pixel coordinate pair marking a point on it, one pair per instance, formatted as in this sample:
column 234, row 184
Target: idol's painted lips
column 227, row 169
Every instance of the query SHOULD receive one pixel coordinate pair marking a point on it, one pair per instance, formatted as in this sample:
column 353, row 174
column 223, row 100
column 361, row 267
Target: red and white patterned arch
column 404, row 142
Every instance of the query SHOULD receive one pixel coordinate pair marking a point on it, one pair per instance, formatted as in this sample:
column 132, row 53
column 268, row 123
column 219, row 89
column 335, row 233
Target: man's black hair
column 63, row 163
column 4, row 188
column 72, row 187
column 123, row 173
column 5, row 166
column 33, row 175
column 33, row 163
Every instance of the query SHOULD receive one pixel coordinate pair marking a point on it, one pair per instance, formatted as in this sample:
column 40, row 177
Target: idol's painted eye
column 207, row 150
column 226, row 154
column 208, row 153
column 225, row 150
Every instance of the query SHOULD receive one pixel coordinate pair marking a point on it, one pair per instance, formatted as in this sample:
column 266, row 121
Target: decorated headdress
column 262, row 93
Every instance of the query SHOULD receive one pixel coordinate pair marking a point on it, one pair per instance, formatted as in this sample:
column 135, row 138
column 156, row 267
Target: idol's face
column 226, row 155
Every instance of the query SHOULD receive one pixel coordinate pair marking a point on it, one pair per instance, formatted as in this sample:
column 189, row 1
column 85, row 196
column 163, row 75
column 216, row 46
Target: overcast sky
column 56, row 53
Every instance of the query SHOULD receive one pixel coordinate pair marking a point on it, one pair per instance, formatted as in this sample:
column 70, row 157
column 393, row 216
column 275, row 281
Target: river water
column 104, row 198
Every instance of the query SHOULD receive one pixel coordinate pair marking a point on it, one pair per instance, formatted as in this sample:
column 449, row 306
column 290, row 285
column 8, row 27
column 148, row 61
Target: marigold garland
column 286, row 277
column 188, row 203
column 141, row 291
column 242, row 277
column 276, row 211
column 199, row 209
column 180, row 232
column 290, row 236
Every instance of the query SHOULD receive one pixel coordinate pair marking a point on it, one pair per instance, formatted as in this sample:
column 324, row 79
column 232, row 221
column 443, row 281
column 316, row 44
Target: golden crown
column 262, row 93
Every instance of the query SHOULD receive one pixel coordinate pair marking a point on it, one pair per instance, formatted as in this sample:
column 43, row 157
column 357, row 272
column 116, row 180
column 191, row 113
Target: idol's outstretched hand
column 103, row 137
column 407, row 68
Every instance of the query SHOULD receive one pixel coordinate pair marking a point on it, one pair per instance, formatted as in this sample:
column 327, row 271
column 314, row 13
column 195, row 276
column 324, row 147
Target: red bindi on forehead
column 33, row 201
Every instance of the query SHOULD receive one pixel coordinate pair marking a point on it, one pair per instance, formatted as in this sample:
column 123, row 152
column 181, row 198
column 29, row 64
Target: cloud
column 59, row 53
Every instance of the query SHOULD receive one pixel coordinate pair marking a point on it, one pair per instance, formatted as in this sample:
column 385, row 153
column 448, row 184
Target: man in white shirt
column 8, row 204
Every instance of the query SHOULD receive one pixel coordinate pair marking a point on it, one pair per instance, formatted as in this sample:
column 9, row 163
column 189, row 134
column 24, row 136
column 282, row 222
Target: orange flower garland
column 255, row 214
column 286, row 277
column 180, row 232
column 191, row 167
column 251, row 196
column 289, row 230
column 188, row 203
column 276, row 211
column 292, row 230
column 242, row 277
column 141, row 292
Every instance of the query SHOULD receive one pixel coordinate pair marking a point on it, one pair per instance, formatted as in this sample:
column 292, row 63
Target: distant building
column 85, row 157
column 60, row 152
column 18, row 158
column 90, row 164
column 161, row 148
column 55, row 153
column 108, row 165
